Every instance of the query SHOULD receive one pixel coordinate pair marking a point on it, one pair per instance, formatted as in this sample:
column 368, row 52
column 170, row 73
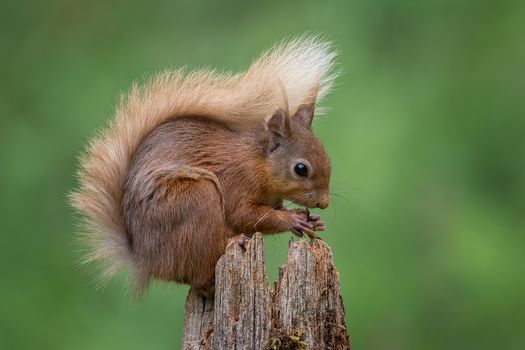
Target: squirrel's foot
column 241, row 240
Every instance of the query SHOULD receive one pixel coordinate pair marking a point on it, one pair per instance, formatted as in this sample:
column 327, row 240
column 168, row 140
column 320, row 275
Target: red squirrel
column 193, row 160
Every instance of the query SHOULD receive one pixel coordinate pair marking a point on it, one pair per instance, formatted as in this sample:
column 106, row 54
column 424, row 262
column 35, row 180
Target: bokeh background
column 426, row 131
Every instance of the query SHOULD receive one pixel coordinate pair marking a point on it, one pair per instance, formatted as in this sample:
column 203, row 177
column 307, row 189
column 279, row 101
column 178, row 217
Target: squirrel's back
column 287, row 75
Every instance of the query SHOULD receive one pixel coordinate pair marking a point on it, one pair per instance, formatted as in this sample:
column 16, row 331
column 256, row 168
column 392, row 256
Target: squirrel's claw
column 297, row 232
column 242, row 241
column 320, row 227
column 314, row 217
column 301, row 231
column 316, row 221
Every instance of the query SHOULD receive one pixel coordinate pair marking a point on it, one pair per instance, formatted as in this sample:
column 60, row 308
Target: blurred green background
column 426, row 131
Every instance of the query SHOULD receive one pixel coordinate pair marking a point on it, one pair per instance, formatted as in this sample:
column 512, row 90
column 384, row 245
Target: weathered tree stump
column 304, row 310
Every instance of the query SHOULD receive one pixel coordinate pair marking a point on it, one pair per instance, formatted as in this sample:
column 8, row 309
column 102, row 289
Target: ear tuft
column 305, row 114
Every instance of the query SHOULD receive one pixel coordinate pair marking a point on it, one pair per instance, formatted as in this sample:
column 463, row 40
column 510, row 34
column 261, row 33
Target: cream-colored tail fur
column 299, row 67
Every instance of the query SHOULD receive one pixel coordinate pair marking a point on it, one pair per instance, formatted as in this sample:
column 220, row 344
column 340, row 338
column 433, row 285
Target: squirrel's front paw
column 304, row 212
column 299, row 225
column 314, row 219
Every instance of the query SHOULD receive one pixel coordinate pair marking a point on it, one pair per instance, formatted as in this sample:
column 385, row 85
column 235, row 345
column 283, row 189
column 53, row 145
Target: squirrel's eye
column 301, row 169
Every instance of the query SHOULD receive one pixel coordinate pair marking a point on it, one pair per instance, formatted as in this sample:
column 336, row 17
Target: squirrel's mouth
column 306, row 200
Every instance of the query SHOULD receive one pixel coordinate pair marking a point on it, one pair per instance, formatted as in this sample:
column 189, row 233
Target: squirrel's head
column 299, row 167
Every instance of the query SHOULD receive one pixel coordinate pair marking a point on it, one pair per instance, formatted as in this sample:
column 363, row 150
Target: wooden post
column 304, row 310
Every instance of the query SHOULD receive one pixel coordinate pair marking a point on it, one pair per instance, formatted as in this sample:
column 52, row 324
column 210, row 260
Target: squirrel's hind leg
column 182, row 230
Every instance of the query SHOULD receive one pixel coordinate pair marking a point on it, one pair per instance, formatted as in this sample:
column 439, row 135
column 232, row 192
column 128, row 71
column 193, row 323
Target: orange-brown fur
column 192, row 160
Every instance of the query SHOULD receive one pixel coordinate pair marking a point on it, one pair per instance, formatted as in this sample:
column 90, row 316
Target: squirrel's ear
column 305, row 114
column 279, row 128
column 278, row 124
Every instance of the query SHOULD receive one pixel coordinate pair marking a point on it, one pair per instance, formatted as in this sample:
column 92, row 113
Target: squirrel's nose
column 322, row 205
column 324, row 199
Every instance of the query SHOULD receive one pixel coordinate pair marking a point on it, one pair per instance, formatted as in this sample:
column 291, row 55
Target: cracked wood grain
column 304, row 310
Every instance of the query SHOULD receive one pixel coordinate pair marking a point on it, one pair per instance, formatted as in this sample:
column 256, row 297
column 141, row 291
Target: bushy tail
column 299, row 67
